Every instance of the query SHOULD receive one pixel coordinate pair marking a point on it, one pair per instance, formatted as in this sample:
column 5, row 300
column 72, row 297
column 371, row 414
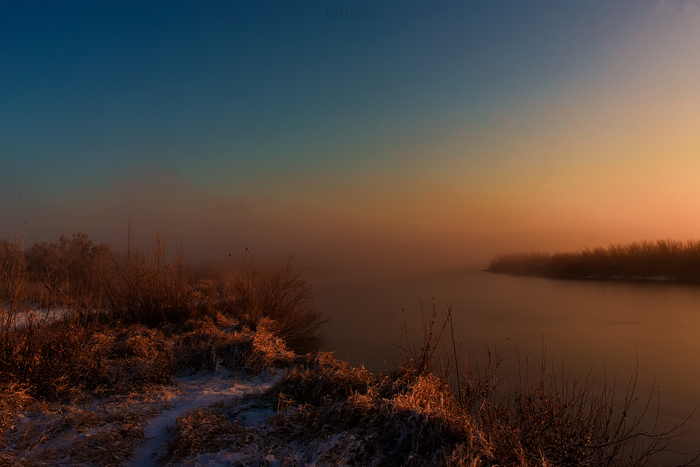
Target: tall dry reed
column 150, row 288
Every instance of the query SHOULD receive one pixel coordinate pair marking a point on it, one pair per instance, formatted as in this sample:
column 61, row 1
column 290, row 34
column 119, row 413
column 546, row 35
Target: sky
column 373, row 135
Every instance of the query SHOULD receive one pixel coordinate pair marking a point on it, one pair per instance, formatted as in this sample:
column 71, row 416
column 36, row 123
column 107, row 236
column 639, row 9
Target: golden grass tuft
column 268, row 350
column 429, row 396
column 320, row 377
column 200, row 431
column 207, row 347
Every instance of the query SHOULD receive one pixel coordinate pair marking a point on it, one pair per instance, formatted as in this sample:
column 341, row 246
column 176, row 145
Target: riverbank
column 237, row 395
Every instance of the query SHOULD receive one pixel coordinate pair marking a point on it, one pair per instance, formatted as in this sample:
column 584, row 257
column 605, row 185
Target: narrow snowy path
column 193, row 392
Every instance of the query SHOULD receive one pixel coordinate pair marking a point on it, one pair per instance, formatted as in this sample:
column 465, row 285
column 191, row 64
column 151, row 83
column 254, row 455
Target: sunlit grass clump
column 663, row 259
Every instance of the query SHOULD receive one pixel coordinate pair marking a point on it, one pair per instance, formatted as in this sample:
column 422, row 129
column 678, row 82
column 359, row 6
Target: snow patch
column 198, row 391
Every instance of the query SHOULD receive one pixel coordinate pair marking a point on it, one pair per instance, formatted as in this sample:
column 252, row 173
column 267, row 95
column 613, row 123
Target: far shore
column 660, row 261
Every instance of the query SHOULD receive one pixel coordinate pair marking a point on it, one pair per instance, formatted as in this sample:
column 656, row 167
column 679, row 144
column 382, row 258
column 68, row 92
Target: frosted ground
column 45, row 440
column 82, row 433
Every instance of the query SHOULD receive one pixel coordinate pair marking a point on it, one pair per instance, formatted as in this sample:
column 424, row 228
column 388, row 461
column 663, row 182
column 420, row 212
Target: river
column 603, row 328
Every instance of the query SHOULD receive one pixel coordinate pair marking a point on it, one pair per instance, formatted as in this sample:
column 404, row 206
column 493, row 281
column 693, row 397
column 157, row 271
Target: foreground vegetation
column 90, row 342
column 664, row 259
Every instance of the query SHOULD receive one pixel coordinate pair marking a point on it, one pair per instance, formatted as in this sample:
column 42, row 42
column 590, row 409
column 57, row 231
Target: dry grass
column 149, row 289
column 13, row 399
column 207, row 347
column 94, row 432
column 201, row 431
column 74, row 272
column 420, row 424
column 398, row 418
column 66, row 358
column 409, row 427
column 281, row 296
column 640, row 260
column 107, row 334
column 320, row 377
column 148, row 286
column 269, row 351
column 63, row 359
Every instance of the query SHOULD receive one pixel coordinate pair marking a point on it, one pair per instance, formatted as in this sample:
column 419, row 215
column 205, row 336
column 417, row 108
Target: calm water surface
column 597, row 327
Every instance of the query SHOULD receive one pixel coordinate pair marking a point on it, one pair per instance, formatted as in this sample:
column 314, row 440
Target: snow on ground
column 33, row 315
column 337, row 449
column 194, row 392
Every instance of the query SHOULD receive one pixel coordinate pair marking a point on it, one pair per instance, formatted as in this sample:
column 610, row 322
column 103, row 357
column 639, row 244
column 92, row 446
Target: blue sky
column 425, row 121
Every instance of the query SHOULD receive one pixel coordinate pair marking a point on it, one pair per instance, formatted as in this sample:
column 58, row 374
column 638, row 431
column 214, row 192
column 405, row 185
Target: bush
column 75, row 272
column 149, row 289
column 280, row 296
